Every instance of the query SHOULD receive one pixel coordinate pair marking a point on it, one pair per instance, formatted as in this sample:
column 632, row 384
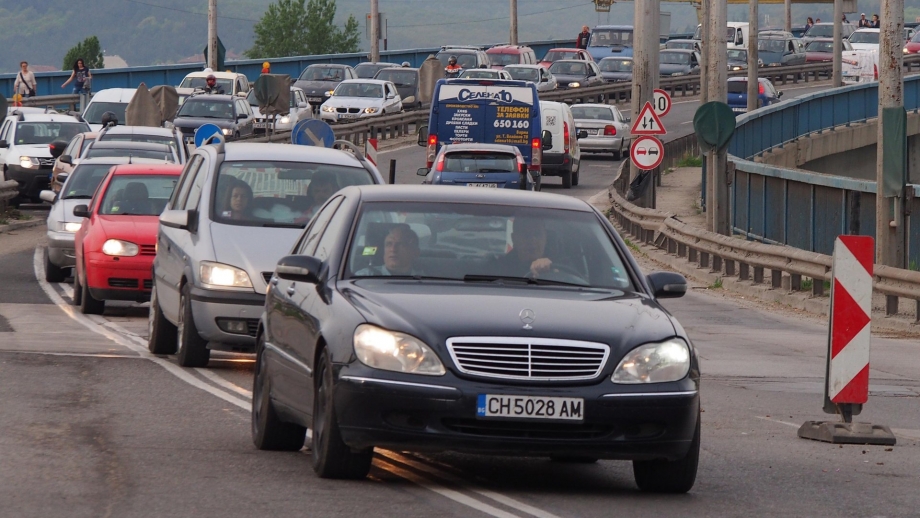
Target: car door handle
column 274, row 281
column 290, row 290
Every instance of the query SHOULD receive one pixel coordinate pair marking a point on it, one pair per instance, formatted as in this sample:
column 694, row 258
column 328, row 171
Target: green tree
column 301, row 27
column 88, row 49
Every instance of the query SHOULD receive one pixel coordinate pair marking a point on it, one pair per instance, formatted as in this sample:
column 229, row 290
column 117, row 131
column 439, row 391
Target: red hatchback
column 116, row 243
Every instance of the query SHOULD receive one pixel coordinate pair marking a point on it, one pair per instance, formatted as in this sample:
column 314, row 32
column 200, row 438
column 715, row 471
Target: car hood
column 254, row 249
column 564, row 79
column 617, row 76
column 353, row 102
column 141, row 230
column 197, row 122
column 434, row 311
column 316, row 88
column 667, row 69
column 34, row 150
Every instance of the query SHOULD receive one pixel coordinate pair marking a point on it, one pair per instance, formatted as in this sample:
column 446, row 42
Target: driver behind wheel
column 527, row 256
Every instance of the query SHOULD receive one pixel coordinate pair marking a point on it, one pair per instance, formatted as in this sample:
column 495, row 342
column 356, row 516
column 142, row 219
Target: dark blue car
column 479, row 165
column 737, row 94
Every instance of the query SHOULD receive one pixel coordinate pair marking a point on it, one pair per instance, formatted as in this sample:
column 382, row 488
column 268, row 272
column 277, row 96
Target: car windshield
column 165, row 140
column 466, row 60
column 480, row 74
column 674, row 58
column 556, row 55
column 737, row 87
column 371, row 90
column 398, row 77
column 84, row 180
column 368, row 70
column 101, row 152
column 202, row 82
column 680, row 45
column 616, row 65
column 820, row 46
column 737, row 55
column 137, row 195
column 322, row 73
column 592, row 113
column 864, row 37
column 825, row 30
column 479, row 162
column 47, row 132
column 485, row 243
column 278, row 194
column 524, row 74
column 207, row 109
column 610, row 37
column 777, row 46
column 94, row 111
column 504, row 59
column 916, row 38
column 567, row 68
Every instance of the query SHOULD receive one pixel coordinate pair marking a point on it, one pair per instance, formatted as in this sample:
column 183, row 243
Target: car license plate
column 258, row 125
column 348, row 115
column 739, row 110
column 315, row 99
column 488, row 185
column 530, row 407
column 588, row 131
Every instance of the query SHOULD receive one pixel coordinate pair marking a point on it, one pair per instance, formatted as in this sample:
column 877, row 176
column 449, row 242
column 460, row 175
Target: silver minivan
column 238, row 208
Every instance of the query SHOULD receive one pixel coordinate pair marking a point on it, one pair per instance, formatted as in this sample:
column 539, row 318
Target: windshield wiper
column 404, row 277
column 78, row 197
column 500, row 279
column 283, row 225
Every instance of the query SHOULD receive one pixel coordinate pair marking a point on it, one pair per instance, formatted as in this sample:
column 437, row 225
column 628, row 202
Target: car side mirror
column 57, row 148
column 241, row 116
column 547, row 139
column 667, row 285
column 48, row 196
column 66, row 159
column 423, row 135
column 581, row 134
column 62, row 177
column 422, row 171
column 300, row 268
column 81, row 211
column 181, row 219
column 779, row 94
column 302, row 105
column 3, row 144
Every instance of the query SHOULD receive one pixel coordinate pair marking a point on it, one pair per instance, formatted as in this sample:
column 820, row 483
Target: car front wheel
column 663, row 476
column 332, row 458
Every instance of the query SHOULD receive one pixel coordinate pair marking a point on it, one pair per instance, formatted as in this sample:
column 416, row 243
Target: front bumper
column 60, row 248
column 31, row 181
column 119, row 278
column 422, row 413
column 595, row 143
column 352, row 117
column 210, row 305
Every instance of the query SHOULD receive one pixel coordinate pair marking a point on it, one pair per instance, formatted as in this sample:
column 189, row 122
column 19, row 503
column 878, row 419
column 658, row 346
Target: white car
column 865, row 39
column 541, row 77
column 355, row 99
column 299, row 109
column 607, row 129
column 113, row 100
column 484, row 73
column 231, row 82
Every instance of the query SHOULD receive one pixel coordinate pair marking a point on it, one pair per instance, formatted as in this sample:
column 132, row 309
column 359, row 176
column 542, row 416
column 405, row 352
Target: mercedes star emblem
column 528, row 316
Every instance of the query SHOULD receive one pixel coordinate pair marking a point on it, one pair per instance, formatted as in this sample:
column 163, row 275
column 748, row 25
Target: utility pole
column 647, row 16
column 891, row 170
column 717, row 210
column 788, row 11
column 375, row 32
column 837, row 75
column 704, row 51
column 212, row 34
column 753, row 86
column 514, row 19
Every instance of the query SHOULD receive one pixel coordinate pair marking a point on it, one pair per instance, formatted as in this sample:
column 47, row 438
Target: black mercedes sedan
column 483, row 321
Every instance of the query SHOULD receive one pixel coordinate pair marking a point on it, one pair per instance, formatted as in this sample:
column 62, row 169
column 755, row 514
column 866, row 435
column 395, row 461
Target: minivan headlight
column 223, row 276
column 27, row 162
column 392, row 351
column 654, row 363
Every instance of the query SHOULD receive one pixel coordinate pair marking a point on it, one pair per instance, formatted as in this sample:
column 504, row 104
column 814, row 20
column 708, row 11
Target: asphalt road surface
column 93, row 425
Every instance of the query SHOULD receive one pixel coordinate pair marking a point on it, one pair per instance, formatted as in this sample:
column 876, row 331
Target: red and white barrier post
column 847, row 375
column 370, row 150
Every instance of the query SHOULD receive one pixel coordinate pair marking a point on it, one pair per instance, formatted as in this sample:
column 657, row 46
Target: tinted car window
column 737, row 55
column 864, row 37
column 572, row 69
column 616, row 65
column 84, row 180
column 471, row 162
column 737, row 87
column 202, row 82
column 675, row 58
column 208, row 109
column 504, row 59
column 142, row 195
column 524, row 74
column 308, row 244
column 264, row 193
column 315, row 73
column 609, row 37
column 94, row 111
column 188, row 176
column 592, row 112
column 370, row 90
column 820, row 46
column 47, row 132
column 398, row 77
column 95, row 152
column 478, row 242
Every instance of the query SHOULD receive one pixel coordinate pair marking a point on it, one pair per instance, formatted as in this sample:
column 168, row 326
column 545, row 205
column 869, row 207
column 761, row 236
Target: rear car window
column 470, row 162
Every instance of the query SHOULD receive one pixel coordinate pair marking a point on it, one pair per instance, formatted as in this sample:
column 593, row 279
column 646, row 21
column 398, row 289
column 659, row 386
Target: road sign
column 646, row 152
column 312, row 132
column 206, row 131
column 661, row 102
column 648, row 123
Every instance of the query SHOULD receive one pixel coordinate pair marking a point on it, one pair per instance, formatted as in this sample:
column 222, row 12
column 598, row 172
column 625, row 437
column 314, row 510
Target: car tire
column 575, row 176
column 77, row 289
column 53, row 273
column 332, row 458
column 663, row 476
column 574, row 459
column 88, row 304
column 268, row 431
column 192, row 349
column 161, row 333
column 567, row 179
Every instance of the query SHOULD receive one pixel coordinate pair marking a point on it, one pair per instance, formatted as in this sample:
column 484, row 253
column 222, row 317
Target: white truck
column 738, row 34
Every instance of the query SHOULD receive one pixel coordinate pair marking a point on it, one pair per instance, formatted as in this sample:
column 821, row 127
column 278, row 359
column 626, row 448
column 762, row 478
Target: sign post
column 661, row 101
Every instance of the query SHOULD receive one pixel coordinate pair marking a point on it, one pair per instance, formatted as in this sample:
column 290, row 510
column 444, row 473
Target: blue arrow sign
column 204, row 132
column 313, row 132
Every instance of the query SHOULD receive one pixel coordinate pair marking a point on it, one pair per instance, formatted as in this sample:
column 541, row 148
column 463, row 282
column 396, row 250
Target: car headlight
column 392, row 351
column 227, row 132
column 774, row 64
column 904, row 50
column 371, row 110
column 284, row 120
column 328, row 109
column 120, row 248
column 222, row 276
column 576, row 84
column 736, row 68
column 675, row 74
column 654, row 363
column 329, row 93
column 72, row 227
column 28, row 162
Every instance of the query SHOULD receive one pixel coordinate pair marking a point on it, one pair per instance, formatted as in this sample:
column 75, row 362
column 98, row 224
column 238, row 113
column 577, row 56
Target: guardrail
column 8, row 190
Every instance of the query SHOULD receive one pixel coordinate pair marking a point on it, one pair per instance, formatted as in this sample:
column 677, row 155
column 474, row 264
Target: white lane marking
column 456, row 496
column 67, row 289
column 502, row 499
column 787, row 423
column 129, row 341
column 76, row 355
column 217, row 380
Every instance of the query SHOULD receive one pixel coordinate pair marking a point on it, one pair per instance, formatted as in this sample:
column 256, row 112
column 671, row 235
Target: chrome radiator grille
column 538, row 359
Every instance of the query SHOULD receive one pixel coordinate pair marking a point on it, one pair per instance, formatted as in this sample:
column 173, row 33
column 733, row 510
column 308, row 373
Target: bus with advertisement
column 486, row 112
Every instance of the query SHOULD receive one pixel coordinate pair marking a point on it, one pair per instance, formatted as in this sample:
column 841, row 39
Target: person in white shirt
column 25, row 84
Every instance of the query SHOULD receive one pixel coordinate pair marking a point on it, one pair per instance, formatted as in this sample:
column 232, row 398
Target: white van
column 859, row 66
column 563, row 156
column 737, row 37
column 113, row 100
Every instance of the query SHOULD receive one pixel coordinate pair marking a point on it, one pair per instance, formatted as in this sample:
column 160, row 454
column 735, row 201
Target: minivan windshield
column 47, row 132
column 611, row 37
column 616, row 65
column 482, row 243
column 674, row 58
column 322, row 73
column 278, row 194
column 202, row 82
column 568, row 68
column 524, row 74
column 398, row 77
column 95, row 110
column 864, row 37
column 504, row 59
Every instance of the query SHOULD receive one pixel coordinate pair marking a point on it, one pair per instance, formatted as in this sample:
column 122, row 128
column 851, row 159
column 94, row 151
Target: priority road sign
column 661, row 101
column 646, row 152
column 648, row 123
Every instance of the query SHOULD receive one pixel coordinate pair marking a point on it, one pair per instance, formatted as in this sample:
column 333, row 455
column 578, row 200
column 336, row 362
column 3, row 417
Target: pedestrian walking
column 80, row 77
column 863, row 22
column 582, row 41
column 25, row 84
